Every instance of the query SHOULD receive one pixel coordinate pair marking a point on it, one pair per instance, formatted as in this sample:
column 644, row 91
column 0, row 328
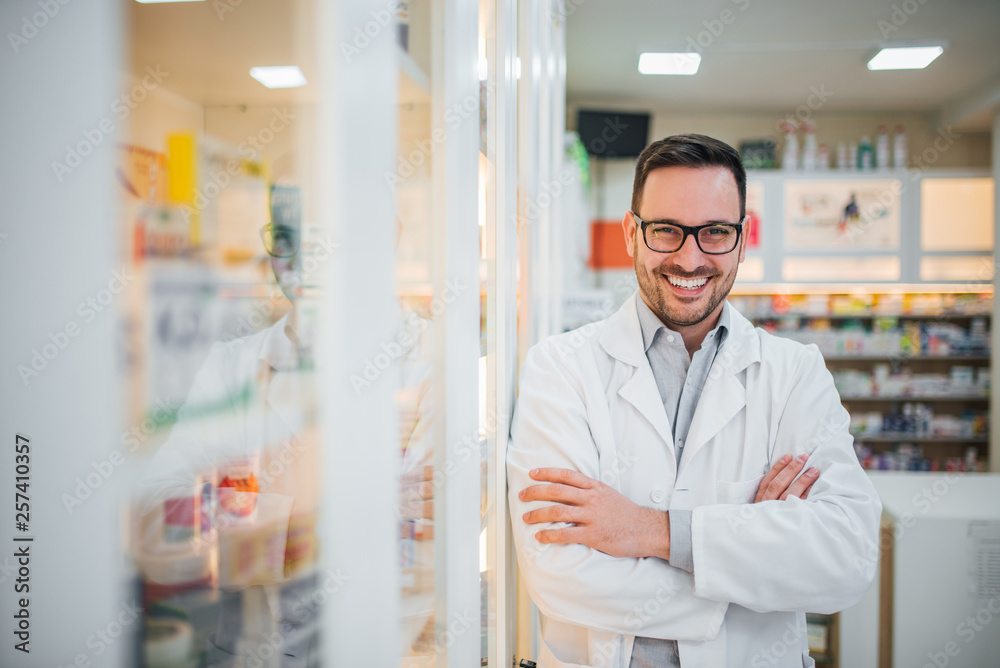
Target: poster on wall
column 755, row 212
column 842, row 214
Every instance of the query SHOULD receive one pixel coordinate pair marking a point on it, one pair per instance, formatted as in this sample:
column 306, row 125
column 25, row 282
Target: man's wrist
column 659, row 534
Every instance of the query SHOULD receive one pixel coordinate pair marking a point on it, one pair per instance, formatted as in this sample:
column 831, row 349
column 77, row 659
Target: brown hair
column 689, row 151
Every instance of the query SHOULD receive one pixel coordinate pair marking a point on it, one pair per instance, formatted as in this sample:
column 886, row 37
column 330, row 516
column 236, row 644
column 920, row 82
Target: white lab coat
column 588, row 401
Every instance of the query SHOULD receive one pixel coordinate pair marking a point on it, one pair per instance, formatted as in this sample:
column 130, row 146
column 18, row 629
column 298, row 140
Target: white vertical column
column 63, row 361
column 994, row 447
column 356, row 145
column 502, row 361
column 455, row 279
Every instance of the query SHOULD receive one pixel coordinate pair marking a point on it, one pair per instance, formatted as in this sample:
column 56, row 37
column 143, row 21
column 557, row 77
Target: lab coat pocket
column 737, row 492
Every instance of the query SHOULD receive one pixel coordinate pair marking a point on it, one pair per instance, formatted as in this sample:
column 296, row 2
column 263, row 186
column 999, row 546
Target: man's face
column 686, row 196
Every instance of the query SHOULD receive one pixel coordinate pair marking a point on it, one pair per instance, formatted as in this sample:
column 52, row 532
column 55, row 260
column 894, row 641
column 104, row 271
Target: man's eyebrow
column 671, row 221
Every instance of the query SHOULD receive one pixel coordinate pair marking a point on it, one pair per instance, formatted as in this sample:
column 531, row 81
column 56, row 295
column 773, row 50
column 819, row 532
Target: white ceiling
column 209, row 47
column 767, row 59
column 772, row 53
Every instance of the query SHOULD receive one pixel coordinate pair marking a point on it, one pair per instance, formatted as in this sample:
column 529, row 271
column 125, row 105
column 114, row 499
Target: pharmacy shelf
column 906, row 358
column 905, row 438
column 870, row 316
column 918, row 397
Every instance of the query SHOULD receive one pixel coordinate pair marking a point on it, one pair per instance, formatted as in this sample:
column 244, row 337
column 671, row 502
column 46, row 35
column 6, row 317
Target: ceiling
column 757, row 55
column 208, row 48
column 766, row 56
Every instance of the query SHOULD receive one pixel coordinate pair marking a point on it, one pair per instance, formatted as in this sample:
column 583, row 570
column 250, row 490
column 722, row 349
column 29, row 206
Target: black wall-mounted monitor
column 613, row 134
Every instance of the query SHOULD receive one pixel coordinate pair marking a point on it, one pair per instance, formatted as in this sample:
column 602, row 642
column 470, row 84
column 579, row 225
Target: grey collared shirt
column 680, row 380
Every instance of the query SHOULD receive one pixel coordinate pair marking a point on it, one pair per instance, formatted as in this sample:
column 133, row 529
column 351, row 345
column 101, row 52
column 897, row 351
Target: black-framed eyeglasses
column 713, row 239
column 280, row 240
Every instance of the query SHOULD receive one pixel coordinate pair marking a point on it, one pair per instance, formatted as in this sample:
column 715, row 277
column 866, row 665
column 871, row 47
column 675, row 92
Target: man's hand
column 605, row 520
column 777, row 484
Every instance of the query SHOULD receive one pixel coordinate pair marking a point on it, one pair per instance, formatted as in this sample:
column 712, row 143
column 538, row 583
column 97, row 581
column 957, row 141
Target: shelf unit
column 851, row 321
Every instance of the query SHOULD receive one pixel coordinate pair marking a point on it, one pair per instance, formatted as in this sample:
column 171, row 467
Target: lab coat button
column 656, row 495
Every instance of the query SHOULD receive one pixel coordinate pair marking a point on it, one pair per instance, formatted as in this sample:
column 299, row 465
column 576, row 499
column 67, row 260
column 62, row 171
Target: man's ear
column 744, row 238
column 629, row 228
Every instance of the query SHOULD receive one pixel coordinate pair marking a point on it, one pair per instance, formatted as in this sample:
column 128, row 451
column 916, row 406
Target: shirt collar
column 650, row 323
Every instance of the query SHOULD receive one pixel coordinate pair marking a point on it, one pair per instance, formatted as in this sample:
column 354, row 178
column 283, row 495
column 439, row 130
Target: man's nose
column 689, row 256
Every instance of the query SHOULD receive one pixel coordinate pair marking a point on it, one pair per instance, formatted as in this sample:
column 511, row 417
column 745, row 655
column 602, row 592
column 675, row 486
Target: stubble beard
column 651, row 284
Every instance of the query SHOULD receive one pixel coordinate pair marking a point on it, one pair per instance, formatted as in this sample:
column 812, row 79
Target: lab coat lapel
column 622, row 339
column 723, row 396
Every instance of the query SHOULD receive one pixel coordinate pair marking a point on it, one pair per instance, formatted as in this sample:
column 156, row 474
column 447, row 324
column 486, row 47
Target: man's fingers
column 778, row 466
column 801, row 487
column 564, row 535
column 556, row 513
column 784, row 478
column 559, row 493
column 562, row 476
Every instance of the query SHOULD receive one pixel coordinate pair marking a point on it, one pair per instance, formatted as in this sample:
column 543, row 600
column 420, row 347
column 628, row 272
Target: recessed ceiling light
column 285, row 76
column 905, row 58
column 669, row 63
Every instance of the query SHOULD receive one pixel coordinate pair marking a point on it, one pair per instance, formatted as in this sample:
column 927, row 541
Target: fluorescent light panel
column 669, row 63
column 160, row 2
column 285, row 76
column 905, row 58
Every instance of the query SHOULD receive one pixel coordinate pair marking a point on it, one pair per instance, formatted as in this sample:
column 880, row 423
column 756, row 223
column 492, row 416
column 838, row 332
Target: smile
column 687, row 283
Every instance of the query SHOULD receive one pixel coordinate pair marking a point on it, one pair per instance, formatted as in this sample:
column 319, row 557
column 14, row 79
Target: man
column 647, row 531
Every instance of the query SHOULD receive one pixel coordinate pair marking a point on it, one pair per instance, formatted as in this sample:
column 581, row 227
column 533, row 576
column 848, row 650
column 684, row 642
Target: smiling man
column 683, row 487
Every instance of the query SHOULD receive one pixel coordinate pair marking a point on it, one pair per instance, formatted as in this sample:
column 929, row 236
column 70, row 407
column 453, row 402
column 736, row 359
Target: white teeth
column 687, row 284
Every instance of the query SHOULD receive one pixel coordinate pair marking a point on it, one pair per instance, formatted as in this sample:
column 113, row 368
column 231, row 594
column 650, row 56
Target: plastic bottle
column 823, row 158
column 842, row 162
column 882, row 147
column 900, row 149
column 852, row 156
column 809, row 149
column 865, row 158
column 790, row 155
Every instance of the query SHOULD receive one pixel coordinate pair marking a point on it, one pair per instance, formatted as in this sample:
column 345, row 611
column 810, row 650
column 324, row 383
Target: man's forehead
column 708, row 189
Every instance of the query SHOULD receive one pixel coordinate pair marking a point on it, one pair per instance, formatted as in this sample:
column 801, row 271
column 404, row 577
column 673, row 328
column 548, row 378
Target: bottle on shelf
column 899, row 148
column 866, row 159
column 852, row 156
column 790, row 153
column 842, row 161
column 810, row 150
column 823, row 158
column 882, row 156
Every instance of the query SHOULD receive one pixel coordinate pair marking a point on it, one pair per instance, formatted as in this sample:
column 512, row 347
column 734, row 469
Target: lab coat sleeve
column 574, row 583
column 813, row 555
